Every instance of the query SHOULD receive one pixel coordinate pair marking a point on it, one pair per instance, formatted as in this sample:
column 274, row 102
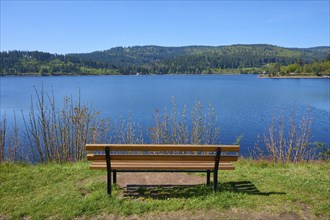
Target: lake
column 244, row 104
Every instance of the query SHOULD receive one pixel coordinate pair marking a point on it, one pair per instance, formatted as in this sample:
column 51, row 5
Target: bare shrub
column 3, row 133
column 9, row 140
column 172, row 127
column 14, row 141
column 286, row 140
column 60, row 134
column 126, row 132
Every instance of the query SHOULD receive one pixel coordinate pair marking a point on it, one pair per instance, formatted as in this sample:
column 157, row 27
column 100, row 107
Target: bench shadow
column 246, row 187
column 162, row 192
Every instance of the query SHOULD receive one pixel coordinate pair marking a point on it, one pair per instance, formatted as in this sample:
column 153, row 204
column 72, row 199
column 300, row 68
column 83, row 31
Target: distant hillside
column 158, row 60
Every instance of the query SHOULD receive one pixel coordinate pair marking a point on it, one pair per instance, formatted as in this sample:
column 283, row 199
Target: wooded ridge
column 161, row 60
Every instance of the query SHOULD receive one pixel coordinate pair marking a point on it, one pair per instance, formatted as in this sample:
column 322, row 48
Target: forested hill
column 158, row 60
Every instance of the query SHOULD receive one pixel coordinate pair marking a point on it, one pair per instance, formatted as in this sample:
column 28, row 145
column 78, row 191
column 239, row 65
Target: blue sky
column 85, row 26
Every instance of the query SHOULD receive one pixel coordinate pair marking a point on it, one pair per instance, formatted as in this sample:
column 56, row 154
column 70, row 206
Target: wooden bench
column 162, row 158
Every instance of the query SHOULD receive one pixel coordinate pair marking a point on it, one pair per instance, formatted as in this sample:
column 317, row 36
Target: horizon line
column 154, row 45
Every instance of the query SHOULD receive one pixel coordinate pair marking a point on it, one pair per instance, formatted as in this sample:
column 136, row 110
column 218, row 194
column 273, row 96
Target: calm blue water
column 245, row 104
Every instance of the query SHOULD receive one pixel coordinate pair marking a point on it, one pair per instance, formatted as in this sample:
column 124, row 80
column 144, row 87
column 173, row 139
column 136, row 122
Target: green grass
column 70, row 190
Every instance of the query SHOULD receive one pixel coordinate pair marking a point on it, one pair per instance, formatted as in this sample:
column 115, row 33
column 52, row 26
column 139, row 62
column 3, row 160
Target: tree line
column 169, row 60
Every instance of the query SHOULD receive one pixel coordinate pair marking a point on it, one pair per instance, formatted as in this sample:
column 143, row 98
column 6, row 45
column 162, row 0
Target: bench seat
column 160, row 165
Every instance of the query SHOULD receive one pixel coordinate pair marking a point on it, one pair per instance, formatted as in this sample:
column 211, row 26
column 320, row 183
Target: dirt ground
column 124, row 179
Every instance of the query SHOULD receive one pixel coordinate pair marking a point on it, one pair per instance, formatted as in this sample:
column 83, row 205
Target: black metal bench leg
column 215, row 171
column 215, row 181
column 109, row 183
column 114, row 177
column 107, row 158
column 208, row 177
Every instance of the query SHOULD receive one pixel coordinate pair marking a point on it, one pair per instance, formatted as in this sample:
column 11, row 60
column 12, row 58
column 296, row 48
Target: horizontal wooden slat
column 161, row 166
column 156, row 162
column 165, row 157
column 161, row 169
column 161, row 147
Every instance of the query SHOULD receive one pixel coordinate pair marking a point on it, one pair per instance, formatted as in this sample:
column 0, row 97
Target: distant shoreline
column 261, row 76
column 292, row 77
column 153, row 74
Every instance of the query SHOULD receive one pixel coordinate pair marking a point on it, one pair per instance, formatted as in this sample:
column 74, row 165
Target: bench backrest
column 161, row 152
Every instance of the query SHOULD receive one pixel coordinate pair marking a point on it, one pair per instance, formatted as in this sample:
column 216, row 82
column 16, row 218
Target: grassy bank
column 254, row 189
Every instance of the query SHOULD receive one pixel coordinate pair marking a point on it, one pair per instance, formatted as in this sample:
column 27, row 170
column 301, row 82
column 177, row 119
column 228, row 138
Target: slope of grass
column 70, row 190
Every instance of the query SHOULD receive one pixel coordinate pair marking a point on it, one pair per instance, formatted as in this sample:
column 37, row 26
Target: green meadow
column 256, row 189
